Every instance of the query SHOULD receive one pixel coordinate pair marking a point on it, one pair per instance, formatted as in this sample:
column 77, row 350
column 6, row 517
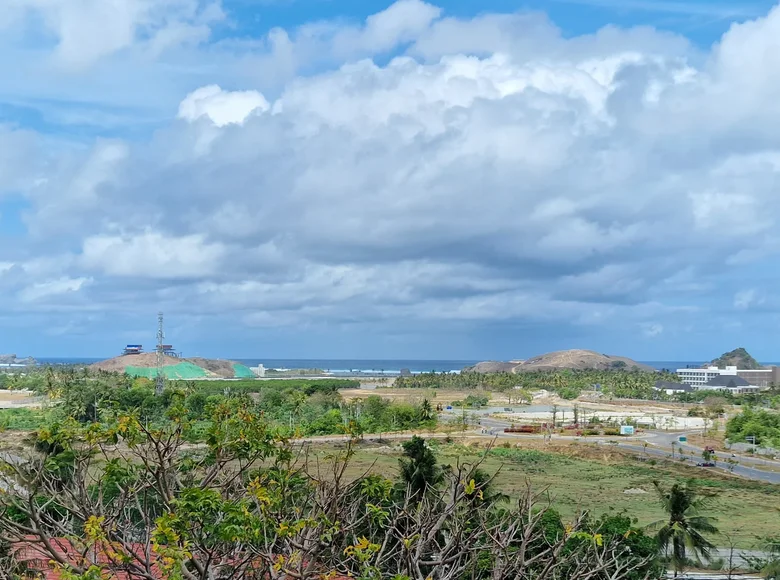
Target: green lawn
column 744, row 509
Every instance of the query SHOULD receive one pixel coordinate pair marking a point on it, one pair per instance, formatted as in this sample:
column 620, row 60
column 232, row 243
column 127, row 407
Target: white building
column 259, row 370
column 697, row 377
column 736, row 385
column 759, row 377
column 729, row 379
column 673, row 388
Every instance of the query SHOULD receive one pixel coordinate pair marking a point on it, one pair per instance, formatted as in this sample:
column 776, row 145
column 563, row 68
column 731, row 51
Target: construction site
column 164, row 362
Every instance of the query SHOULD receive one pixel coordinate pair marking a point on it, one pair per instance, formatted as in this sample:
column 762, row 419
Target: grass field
column 585, row 477
column 21, row 419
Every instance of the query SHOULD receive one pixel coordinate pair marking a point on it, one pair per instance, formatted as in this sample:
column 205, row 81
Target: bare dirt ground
column 215, row 367
column 220, row 367
column 444, row 397
column 16, row 399
column 147, row 360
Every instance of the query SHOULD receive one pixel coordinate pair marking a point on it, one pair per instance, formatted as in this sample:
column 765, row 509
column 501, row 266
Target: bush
column 21, row 419
column 763, row 425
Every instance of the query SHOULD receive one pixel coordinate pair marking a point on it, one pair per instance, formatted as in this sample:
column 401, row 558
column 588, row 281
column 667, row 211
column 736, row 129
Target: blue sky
column 444, row 179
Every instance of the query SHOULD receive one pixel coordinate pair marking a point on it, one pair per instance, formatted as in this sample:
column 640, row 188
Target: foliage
column 685, row 528
column 569, row 384
column 768, row 562
column 21, row 419
column 301, row 406
column 472, row 402
column 761, row 424
column 419, row 470
column 249, row 504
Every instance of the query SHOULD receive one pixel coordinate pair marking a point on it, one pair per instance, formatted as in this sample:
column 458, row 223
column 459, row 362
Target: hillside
column 739, row 358
column 12, row 359
column 145, row 365
column 562, row 359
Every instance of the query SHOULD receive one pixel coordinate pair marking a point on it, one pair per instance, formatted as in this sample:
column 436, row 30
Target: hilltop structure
column 145, row 365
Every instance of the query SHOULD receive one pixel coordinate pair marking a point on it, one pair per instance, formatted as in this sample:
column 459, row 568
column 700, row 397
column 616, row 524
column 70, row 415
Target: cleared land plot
column 441, row 396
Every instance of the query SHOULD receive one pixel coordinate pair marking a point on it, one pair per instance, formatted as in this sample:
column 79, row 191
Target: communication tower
column 160, row 382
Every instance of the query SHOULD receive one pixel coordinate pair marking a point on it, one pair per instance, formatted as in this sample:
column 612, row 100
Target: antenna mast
column 160, row 382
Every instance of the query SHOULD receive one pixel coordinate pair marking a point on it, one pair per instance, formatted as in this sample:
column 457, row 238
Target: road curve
column 496, row 427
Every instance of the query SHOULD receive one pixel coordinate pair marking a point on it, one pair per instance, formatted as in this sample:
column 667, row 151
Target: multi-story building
column 760, row 378
column 697, row 377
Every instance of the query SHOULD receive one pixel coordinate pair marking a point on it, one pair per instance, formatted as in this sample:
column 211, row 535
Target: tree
column 426, row 411
column 419, row 469
column 685, row 528
column 137, row 502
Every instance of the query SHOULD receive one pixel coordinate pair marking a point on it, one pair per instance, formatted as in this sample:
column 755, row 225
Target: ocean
column 372, row 366
column 336, row 366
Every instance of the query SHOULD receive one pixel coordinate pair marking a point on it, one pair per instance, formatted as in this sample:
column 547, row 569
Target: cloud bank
column 427, row 171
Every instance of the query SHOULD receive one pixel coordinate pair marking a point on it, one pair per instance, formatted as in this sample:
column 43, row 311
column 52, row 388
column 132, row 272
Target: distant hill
column 145, row 365
column 739, row 358
column 12, row 359
column 562, row 359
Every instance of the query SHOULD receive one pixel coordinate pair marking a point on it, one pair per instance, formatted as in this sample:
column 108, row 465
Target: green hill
column 739, row 358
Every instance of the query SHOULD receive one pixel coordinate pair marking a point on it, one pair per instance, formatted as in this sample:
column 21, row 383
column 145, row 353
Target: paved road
column 665, row 439
column 659, row 445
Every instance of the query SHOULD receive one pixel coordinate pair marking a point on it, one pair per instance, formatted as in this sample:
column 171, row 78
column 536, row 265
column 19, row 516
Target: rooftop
column 670, row 386
column 728, row 381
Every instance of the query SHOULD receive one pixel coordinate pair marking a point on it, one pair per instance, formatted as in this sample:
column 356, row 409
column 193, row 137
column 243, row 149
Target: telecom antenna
column 160, row 382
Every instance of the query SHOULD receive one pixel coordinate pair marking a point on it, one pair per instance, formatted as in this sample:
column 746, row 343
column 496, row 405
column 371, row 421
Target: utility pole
column 160, row 381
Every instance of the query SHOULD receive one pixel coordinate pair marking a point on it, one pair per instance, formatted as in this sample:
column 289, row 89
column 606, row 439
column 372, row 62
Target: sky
column 365, row 179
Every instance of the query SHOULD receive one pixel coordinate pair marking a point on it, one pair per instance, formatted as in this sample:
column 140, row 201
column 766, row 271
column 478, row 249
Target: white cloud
column 651, row 330
column 495, row 172
column 746, row 299
column 152, row 255
column 87, row 30
column 222, row 107
column 51, row 288
column 402, row 22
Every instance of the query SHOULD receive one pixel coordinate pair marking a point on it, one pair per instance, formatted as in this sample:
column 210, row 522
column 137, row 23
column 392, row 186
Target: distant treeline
column 568, row 384
column 295, row 406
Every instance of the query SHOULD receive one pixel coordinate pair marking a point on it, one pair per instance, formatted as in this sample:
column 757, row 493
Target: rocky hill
column 739, row 358
column 145, row 365
column 562, row 359
column 491, row 366
column 12, row 359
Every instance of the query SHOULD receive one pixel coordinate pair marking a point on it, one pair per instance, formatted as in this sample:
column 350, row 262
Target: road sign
column 683, row 439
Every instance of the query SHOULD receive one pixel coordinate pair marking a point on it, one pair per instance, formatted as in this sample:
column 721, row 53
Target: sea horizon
column 355, row 365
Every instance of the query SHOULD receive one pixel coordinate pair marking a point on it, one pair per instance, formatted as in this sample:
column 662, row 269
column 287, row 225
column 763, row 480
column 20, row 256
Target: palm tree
column 685, row 527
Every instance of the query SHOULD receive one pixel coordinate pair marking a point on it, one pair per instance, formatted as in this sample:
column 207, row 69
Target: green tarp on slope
column 183, row 370
column 242, row 372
